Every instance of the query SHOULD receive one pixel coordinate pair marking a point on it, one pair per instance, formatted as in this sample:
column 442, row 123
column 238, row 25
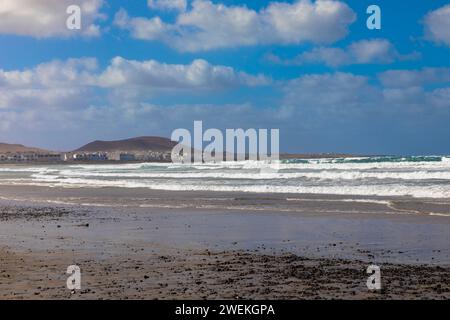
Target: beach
column 138, row 243
column 224, row 150
column 296, row 229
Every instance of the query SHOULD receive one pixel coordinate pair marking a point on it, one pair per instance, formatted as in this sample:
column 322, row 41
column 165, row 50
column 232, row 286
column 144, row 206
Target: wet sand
column 164, row 273
column 251, row 247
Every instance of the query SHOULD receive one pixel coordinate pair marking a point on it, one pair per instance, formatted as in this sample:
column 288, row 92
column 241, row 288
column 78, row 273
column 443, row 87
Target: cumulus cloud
column 78, row 84
column 414, row 78
column 152, row 74
column 373, row 51
column 340, row 93
column 122, row 72
column 345, row 98
column 47, row 94
column 47, row 18
column 141, row 28
column 179, row 5
column 84, row 101
column 77, row 95
column 437, row 25
column 208, row 26
column 441, row 98
column 48, row 85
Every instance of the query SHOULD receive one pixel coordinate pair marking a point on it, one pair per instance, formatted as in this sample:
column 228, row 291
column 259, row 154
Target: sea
column 409, row 176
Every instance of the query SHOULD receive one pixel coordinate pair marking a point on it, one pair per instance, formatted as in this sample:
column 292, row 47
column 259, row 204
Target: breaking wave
column 418, row 176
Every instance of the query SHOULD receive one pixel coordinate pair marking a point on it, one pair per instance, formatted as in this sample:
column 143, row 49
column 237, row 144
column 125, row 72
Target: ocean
column 417, row 177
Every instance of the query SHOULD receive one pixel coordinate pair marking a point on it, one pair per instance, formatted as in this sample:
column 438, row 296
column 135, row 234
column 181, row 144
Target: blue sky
column 310, row 68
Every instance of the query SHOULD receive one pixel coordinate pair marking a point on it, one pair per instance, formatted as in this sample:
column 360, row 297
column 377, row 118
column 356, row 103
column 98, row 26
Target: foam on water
column 319, row 174
column 424, row 176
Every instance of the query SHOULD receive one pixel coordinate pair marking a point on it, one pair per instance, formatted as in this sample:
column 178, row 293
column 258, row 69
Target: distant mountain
column 12, row 148
column 133, row 144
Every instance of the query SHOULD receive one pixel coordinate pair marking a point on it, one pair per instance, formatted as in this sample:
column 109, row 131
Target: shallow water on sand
column 363, row 231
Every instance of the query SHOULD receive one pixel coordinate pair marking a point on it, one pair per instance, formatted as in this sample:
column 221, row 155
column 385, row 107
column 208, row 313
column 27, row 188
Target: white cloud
column 141, row 28
column 179, row 5
column 153, row 75
column 414, row 78
column 121, row 72
column 74, row 101
column 441, row 98
column 344, row 110
column 56, row 84
column 437, row 25
column 404, row 96
column 373, row 51
column 209, row 26
column 335, row 92
column 56, row 73
column 81, row 98
column 77, row 83
column 47, row 18
column 333, row 57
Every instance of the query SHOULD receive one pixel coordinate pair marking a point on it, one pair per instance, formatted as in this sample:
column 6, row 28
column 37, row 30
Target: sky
column 312, row 69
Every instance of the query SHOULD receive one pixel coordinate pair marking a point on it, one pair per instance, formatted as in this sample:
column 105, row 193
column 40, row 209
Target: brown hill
column 133, row 144
column 12, row 148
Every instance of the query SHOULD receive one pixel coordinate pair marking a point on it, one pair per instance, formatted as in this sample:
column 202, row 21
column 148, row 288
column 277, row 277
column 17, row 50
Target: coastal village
column 142, row 149
column 128, row 156
column 27, row 157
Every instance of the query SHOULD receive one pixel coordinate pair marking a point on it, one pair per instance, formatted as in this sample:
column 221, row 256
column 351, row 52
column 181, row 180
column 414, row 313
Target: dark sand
column 160, row 245
column 157, row 273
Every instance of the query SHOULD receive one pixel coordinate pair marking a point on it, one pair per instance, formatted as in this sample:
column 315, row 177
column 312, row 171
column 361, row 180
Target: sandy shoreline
column 135, row 252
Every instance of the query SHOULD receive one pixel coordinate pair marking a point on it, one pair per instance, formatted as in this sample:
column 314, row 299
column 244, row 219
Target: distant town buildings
column 138, row 149
column 128, row 156
column 96, row 156
column 29, row 157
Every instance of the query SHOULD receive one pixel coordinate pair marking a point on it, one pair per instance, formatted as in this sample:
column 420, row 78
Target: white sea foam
column 418, row 177
column 318, row 174
column 363, row 190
